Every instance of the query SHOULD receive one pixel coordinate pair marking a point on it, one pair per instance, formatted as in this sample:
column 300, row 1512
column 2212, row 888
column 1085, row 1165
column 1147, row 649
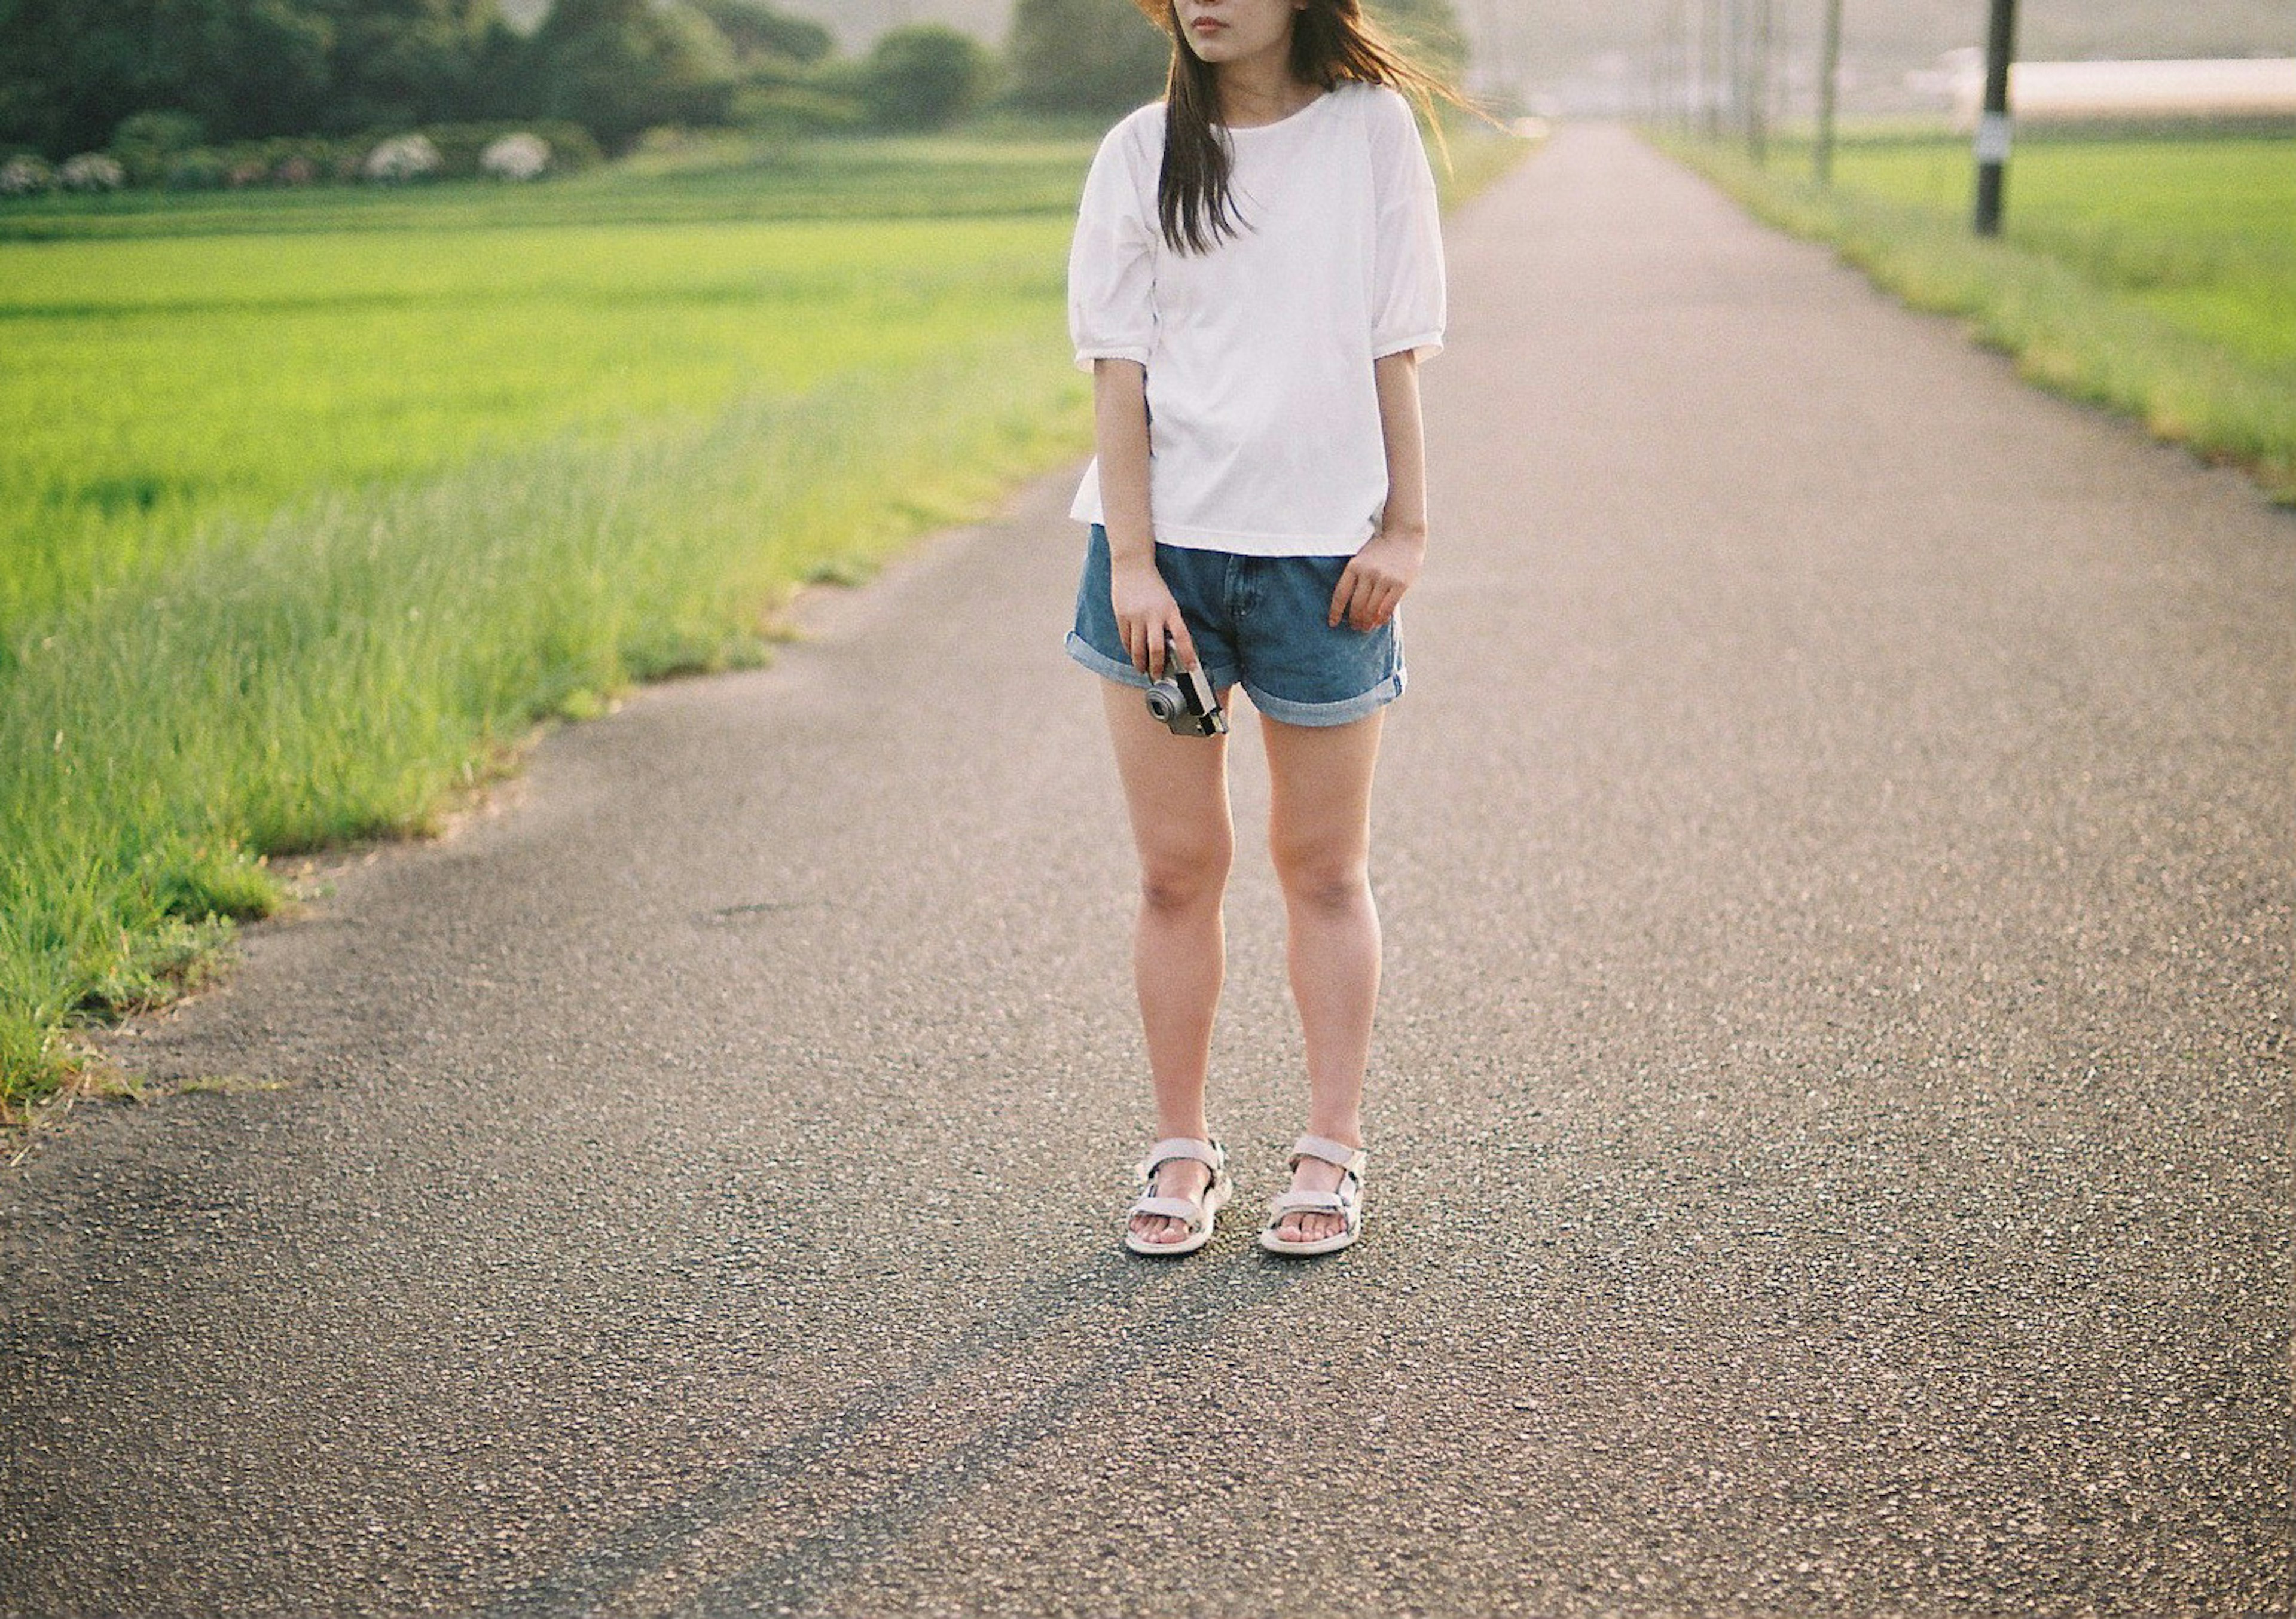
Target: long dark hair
column 1332, row 42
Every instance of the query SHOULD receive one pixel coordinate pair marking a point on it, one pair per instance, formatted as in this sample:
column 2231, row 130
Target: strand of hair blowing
column 1332, row 42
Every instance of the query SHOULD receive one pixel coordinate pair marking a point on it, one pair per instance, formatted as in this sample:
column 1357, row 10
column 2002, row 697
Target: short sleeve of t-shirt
column 1112, row 259
column 1408, row 292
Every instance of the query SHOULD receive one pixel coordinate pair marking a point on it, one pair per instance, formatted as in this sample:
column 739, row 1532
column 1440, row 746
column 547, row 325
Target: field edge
column 2064, row 333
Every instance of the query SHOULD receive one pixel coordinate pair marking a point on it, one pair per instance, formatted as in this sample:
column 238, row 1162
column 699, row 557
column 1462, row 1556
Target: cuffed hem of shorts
column 1343, row 711
column 1100, row 663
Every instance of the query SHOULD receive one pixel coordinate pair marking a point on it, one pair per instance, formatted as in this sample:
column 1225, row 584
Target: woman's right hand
column 1145, row 614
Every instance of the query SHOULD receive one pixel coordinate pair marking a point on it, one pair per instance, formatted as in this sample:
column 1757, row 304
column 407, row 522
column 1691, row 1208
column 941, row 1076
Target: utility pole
column 1829, row 75
column 1993, row 124
column 1686, row 68
column 1709, row 68
column 1490, row 49
column 1757, row 85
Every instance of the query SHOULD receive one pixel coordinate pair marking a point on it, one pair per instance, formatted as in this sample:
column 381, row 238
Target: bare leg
column 1175, row 789
column 1319, row 834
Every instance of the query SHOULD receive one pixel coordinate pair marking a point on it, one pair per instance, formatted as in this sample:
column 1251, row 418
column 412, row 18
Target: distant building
column 2260, row 88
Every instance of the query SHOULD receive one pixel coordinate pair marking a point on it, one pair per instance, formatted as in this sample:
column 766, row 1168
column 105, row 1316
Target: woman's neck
column 1260, row 89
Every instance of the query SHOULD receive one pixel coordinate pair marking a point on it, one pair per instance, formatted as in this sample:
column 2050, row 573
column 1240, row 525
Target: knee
column 1178, row 879
column 1321, row 880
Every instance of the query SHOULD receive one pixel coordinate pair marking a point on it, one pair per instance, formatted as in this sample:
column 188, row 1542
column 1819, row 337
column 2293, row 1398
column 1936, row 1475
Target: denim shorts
column 1259, row 623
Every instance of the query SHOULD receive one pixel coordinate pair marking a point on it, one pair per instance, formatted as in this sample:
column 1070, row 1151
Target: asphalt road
column 1830, row 1129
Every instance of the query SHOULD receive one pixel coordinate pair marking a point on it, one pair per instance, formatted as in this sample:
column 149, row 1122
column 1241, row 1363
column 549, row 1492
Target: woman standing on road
column 1257, row 273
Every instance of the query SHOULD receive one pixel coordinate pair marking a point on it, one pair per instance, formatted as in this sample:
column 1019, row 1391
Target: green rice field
column 315, row 502
column 2201, row 234
column 2155, row 275
column 151, row 386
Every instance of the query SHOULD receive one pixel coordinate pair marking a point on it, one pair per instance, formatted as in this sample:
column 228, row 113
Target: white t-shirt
column 1264, row 427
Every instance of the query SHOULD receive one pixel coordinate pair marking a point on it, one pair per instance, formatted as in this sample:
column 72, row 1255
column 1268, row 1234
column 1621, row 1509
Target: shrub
column 145, row 142
column 91, row 171
column 23, row 174
column 624, row 66
column 463, row 146
column 792, row 112
column 401, row 159
column 519, row 156
column 199, row 170
column 924, row 77
column 1084, row 56
column 756, row 28
column 296, row 170
column 571, row 147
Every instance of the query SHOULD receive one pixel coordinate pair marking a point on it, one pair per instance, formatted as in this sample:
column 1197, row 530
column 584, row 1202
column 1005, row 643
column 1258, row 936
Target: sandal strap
column 1320, row 1203
column 1176, row 1208
column 1329, row 1151
column 1182, row 1146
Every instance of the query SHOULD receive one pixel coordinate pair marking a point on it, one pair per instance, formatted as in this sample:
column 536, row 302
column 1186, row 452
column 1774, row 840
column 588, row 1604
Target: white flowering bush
column 91, row 171
column 515, row 157
column 22, row 175
column 402, row 157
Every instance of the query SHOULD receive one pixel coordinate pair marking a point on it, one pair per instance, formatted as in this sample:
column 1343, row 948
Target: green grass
column 317, row 502
column 150, row 385
column 1478, row 155
column 339, row 671
column 2154, row 275
column 2200, row 233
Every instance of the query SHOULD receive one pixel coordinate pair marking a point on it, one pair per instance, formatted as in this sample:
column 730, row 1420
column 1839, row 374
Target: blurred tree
column 758, row 27
column 402, row 62
column 1085, row 56
column 620, row 66
column 71, row 69
column 924, row 77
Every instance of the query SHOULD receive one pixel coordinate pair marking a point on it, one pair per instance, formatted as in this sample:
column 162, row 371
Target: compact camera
column 1184, row 700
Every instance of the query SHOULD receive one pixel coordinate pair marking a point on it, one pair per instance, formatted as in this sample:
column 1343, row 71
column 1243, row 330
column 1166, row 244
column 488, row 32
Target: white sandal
column 1197, row 1212
column 1347, row 1202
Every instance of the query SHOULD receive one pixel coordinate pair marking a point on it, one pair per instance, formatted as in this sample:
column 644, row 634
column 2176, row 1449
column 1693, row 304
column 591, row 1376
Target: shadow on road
column 1186, row 1300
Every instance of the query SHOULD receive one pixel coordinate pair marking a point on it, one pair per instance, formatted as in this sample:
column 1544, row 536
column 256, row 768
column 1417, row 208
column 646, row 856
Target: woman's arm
column 1378, row 575
column 1145, row 612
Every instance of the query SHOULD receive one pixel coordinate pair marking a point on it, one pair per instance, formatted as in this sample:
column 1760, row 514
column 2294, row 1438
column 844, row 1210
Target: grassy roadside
column 310, row 660
column 2081, row 303
column 342, row 670
column 1478, row 157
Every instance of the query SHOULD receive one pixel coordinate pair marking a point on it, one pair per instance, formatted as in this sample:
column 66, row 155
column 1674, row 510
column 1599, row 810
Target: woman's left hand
column 1372, row 588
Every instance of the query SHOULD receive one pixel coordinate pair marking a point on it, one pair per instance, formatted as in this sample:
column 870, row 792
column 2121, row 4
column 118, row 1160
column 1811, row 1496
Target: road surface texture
column 1830, row 1129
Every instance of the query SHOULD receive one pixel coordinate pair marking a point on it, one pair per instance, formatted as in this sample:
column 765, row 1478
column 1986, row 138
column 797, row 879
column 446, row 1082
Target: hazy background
column 1590, row 55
